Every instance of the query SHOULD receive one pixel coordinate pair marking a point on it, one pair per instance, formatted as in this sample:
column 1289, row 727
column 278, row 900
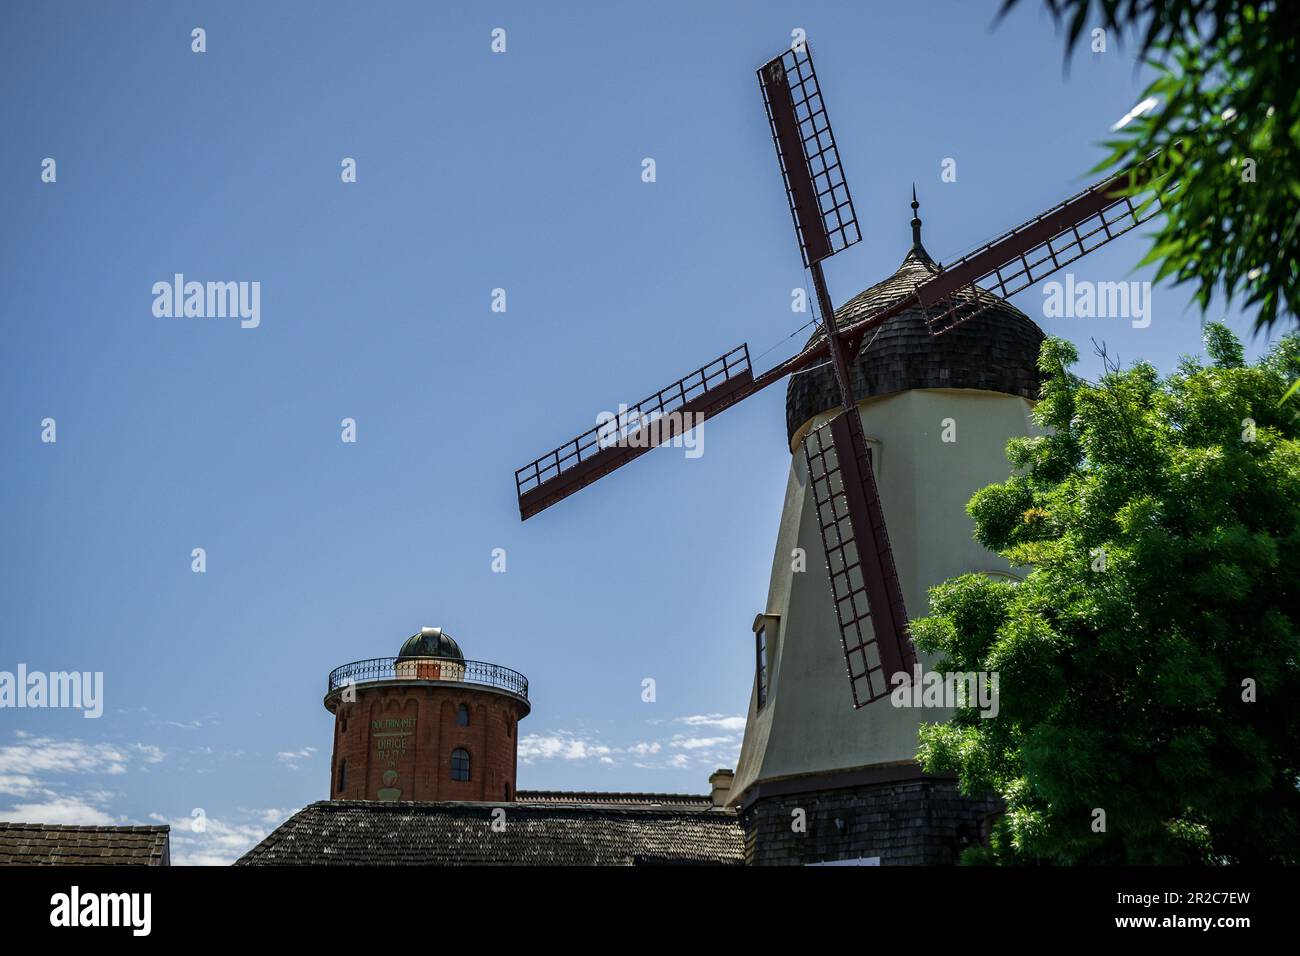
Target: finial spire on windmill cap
column 916, row 220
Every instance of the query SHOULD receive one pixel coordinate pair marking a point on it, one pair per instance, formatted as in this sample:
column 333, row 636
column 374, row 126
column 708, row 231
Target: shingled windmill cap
column 997, row 351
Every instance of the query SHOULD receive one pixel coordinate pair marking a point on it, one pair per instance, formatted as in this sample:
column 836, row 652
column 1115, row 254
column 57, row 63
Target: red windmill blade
column 868, row 599
column 649, row 423
column 865, row 589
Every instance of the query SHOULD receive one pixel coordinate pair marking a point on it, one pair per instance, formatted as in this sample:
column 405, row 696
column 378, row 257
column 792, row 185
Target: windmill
column 865, row 590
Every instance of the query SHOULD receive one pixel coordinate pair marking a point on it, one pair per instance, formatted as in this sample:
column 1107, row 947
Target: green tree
column 1224, row 114
column 1149, row 662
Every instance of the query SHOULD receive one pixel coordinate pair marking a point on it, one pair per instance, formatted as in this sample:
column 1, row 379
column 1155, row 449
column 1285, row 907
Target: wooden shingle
column 42, row 844
column 556, row 833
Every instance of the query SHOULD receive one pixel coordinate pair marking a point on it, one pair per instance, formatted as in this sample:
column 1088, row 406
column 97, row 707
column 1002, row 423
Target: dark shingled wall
column 912, row 822
column 996, row 351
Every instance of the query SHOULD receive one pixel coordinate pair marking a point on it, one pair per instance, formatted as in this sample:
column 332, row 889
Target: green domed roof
column 431, row 642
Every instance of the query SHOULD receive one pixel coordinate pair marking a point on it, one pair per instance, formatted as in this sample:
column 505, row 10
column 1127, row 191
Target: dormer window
column 760, row 664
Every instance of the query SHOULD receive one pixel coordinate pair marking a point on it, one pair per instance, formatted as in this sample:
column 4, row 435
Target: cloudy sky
column 475, row 171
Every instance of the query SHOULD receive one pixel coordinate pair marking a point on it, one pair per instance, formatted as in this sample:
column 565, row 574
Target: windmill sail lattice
column 1025, row 255
column 1031, row 252
column 868, row 599
column 810, row 163
column 649, row 423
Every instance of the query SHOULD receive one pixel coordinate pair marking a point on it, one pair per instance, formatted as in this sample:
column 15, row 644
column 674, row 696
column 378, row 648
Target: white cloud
column 37, row 755
column 60, row 810
column 194, row 723
column 149, row 753
column 18, row 785
column 721, row 721
column 290, row 758
column 719, row 749
column 564, row 746
column 26, row 765
column 222, row 841
column 698, row 743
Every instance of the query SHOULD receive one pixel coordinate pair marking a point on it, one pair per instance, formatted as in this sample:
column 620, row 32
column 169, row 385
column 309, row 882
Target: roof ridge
column 625, row 793
column 89, row 827
column 390, row 806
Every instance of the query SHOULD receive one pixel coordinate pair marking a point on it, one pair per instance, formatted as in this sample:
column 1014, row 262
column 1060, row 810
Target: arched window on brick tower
column 460, row 764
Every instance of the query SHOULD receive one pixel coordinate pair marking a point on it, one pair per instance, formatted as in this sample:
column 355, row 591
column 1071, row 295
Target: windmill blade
column 819, row 198
column 1028, row 253
column 707, row 392
column 649, row 423
column 1032, row 251
column 864, row 582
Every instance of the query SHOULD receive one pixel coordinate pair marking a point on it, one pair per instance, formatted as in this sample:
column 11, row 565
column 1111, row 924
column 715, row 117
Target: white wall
column 809, row 724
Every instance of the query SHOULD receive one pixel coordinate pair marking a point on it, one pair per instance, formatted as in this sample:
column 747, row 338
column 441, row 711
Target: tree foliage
column 1161, row 520
column 1224, row 116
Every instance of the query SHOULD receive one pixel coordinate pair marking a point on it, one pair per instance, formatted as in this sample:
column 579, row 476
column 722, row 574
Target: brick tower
column 425, row 725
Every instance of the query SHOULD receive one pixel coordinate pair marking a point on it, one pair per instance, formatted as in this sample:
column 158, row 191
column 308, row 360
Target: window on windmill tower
column 462, row 715
column 760, row 664
column 460, row 764
column 343, row 774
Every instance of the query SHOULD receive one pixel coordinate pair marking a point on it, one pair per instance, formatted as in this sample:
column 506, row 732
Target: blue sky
column 475, row 171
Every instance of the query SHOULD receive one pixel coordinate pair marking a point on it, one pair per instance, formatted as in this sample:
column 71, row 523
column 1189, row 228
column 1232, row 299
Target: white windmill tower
column 937, row 412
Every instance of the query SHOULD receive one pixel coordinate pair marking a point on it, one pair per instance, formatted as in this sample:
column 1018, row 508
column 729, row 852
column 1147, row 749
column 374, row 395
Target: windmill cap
column 997, row 351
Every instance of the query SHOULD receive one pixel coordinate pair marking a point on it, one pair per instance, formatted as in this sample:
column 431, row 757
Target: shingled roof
column 359, row 832
column 41, row 844
column 996, row 351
